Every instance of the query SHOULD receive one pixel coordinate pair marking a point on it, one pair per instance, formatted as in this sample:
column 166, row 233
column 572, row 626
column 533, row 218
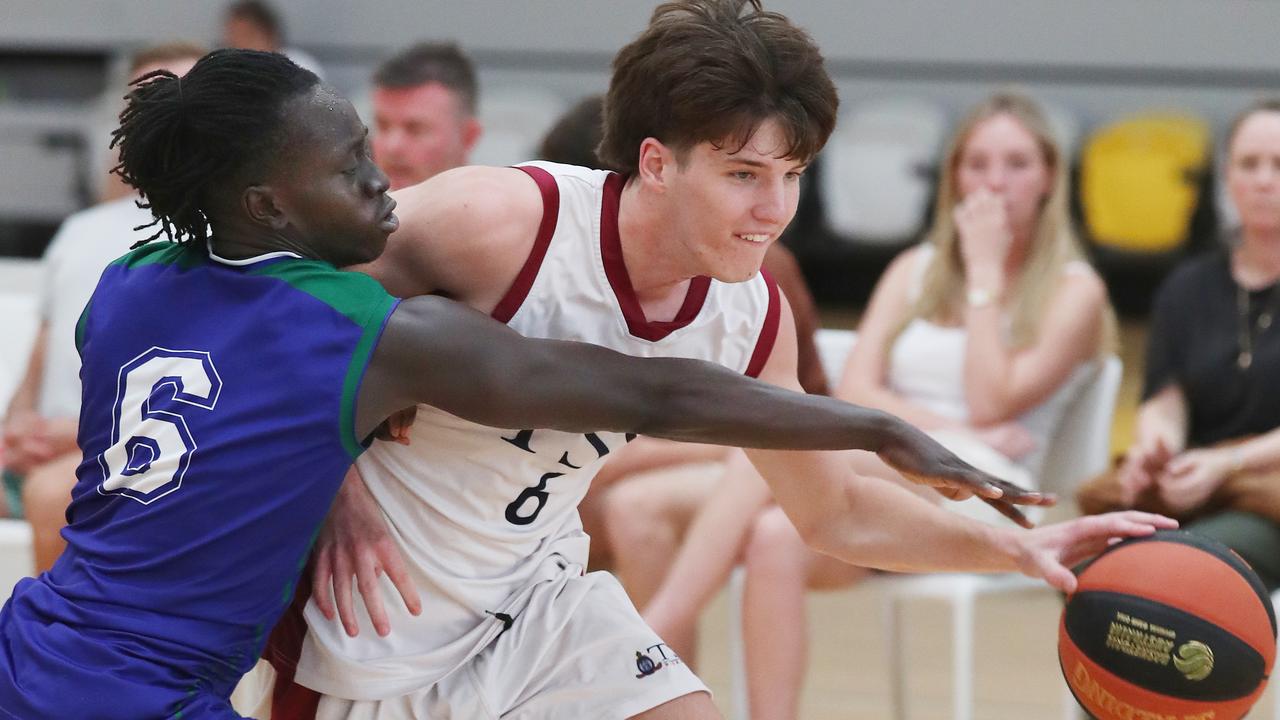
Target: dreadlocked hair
column 182, row 138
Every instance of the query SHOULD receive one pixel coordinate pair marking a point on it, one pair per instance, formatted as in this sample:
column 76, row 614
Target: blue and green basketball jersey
column 217, row 424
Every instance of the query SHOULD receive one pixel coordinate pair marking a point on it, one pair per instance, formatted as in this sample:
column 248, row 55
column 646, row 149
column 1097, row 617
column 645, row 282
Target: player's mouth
column 755, row 238
column 388, row 221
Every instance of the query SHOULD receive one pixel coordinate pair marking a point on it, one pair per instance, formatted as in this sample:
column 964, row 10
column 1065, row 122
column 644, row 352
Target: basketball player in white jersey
column 714, row 113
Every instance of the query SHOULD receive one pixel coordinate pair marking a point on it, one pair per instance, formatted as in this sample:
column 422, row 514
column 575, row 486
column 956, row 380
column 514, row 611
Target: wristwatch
column 978, row 297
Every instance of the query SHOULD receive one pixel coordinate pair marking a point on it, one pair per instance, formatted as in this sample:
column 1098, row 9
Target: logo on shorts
column 654, row 658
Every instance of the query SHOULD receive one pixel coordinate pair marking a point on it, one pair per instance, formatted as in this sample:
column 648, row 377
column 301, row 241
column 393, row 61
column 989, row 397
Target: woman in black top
column 1208, row 435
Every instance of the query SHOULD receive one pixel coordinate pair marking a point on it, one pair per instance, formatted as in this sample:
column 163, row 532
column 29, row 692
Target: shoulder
column 157, row 252
column 1214, row 264
column 1081, row 282
column 1195, row 277
column 459, row 230
column 907, row 269
column 354, row 295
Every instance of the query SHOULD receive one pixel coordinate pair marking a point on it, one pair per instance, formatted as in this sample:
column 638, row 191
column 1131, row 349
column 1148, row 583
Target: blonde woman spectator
column 981, row 335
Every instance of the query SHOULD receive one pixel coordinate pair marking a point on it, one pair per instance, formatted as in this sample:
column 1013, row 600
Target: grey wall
column 1094, row 58
column 1101, row 56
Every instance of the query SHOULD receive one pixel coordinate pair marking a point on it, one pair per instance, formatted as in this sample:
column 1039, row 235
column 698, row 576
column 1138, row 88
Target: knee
column 774, row 544
column 46, row 492
column 637, row 518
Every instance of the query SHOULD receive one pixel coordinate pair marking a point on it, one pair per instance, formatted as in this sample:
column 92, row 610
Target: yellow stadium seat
column 1140, row 181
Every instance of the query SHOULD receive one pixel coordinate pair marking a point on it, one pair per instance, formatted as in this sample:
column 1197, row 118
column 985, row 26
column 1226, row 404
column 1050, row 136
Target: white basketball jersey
column 480, row 513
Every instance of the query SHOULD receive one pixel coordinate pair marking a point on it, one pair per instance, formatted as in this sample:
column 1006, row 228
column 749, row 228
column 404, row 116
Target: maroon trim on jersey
column 289, row 700
column 519, row 290
column 769, row 332
column 616, row 270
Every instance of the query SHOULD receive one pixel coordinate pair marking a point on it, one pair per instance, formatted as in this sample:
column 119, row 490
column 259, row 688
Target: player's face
column 333, row 194
column 419, row 132
column 1004, row 157
column 730, row 204
column 1253, row 172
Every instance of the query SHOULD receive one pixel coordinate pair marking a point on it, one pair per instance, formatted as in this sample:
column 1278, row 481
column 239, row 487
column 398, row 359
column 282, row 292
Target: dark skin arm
column 442, row 353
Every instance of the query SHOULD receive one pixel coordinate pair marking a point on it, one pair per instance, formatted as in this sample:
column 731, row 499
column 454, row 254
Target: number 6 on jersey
column 151, row 445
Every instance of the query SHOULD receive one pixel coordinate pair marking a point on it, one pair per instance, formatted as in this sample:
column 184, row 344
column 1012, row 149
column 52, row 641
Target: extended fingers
column 322, row 582
column 367, row 581
column 342, row 581
column 393, row 565
column 1160, row 522
column 1010, row 511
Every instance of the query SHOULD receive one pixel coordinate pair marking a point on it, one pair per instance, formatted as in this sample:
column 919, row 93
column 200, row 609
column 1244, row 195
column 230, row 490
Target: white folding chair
column 876, row 175
column 1080, row 449
column 18, row 326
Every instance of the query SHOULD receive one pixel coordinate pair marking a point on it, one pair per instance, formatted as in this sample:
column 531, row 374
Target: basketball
column 1168, row 627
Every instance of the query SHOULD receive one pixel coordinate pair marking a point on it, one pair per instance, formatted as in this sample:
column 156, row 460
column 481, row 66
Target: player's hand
column 396, row 427
column 921, row 459
column 355, row 541
column 1050, row 551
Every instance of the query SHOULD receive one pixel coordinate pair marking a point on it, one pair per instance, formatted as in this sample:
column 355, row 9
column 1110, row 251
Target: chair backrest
column 834, row 347
column 1081, row 447
column 876, row 176
column 18, row 325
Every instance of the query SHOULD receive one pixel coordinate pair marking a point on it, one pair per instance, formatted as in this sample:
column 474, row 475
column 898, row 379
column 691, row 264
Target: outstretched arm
column 444, row 354
column 869, row 522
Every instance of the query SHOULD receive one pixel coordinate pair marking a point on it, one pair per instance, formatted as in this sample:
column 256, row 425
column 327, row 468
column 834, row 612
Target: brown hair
column 165, row 53
column 1271, row 104
column 706, row 71
column 575, row 136
column 442, row 63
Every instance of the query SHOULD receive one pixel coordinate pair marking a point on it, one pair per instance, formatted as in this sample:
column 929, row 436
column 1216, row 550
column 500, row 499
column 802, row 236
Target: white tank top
column 926, row 366
column 481, row 514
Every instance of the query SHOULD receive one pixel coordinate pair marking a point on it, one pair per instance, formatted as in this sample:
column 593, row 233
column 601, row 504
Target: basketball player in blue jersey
column 231, row 376
column 713, row 112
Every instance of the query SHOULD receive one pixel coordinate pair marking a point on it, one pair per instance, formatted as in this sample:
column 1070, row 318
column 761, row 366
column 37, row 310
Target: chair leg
column 894, row 657
column 737, row 650
column 962, row 656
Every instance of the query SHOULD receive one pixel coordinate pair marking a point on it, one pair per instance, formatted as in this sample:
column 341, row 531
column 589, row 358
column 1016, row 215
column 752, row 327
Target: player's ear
column 657, row 161
column 261, row 205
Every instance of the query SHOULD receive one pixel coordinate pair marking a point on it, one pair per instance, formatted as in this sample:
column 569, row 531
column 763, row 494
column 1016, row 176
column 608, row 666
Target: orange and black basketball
column 1168, row 627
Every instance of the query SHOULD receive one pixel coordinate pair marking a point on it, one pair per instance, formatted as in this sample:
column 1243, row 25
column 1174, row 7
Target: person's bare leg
column 46, row 492
column 694, row 706
column 714, row 543
column 639, row 456
column 780, row 570
column 645, row 519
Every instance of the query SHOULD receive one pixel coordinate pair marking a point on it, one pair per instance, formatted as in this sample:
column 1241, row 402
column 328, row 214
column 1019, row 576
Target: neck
column 1257, row 259
column 234, row 241
column 658, row 265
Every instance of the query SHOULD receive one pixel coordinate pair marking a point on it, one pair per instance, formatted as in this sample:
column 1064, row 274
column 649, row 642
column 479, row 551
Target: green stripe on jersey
column 357, row 296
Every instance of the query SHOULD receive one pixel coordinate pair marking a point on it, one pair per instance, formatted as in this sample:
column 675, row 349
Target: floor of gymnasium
column 1016, row 675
